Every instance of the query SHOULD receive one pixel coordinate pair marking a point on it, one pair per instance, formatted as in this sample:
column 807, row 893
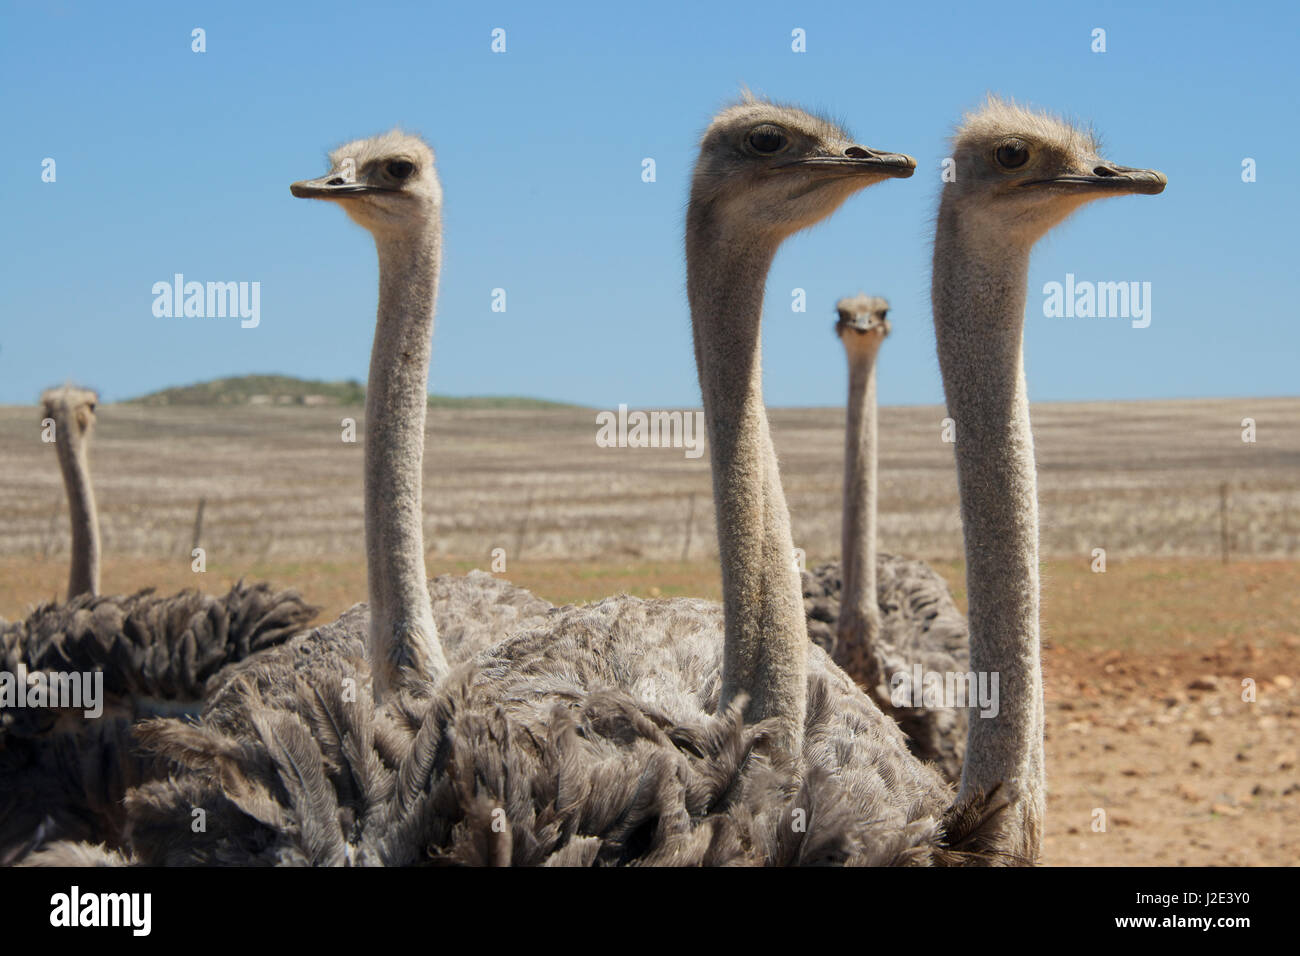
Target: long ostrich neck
column 979, row 305
column 404, row 644
column 859, row 608
column 83, row 578
column 765, row 650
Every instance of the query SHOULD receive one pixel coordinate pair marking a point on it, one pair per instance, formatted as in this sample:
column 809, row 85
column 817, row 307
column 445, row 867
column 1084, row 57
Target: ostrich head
column 770, row 170
column 387, row 183
column 72, row 408
column 862, row 325
column 1019, row 172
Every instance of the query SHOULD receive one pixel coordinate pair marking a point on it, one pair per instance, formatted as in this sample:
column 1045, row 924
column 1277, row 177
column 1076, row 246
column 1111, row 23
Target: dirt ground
column 1186, row 772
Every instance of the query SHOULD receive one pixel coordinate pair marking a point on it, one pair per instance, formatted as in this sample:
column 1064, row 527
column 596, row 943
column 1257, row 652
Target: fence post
column 690, row 520
column 198, row 524
column 1223, row 521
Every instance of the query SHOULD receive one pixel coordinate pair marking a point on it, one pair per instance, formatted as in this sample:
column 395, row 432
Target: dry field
column 1138, row 479
column 1144, row 663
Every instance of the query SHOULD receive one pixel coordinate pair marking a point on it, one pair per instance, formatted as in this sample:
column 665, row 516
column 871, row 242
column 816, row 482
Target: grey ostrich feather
column 544, row 750
column 919, row 625
column 63, row 775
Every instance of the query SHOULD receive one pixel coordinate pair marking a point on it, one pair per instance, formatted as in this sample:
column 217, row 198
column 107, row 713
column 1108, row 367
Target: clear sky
column 173, row 161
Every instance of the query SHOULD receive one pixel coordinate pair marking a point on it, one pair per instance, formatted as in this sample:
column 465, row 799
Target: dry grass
column 1143, row 606
column 1138, row 479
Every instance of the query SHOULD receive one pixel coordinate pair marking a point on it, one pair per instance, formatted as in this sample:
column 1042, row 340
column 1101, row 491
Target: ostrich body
column 64, row 775
column 881, row 615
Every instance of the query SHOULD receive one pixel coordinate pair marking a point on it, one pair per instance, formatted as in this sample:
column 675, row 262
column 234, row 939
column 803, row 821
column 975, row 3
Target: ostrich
column 396, row 196
column 879, row 633
column 1018, row 174
column 71, row 410
column 63, row 775
column 627, row 731
column 398, row 199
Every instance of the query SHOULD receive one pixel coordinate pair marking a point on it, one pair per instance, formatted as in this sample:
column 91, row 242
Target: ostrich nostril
column 336, row 181
column 857, row 152
column 1104, row 171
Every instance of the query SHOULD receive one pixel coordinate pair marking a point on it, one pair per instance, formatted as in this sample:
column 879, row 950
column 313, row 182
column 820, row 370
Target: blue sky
column 172, row 161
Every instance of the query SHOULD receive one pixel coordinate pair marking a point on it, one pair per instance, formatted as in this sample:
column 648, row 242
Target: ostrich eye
column 400, row 169
column 1012, row 154
column 766, row 139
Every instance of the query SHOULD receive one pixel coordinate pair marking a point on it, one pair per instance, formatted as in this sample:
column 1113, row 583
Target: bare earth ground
column 1144, row 663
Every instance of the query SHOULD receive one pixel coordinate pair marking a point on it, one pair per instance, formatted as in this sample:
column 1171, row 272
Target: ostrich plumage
column 585, row 739
column 64, row 775
column 919, row 625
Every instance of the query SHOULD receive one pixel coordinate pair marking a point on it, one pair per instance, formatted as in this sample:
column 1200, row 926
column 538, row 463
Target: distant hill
column 286, row 390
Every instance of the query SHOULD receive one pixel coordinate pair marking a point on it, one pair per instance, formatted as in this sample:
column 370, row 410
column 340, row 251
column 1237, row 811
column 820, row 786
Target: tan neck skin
column 859, row 623
column 404, row 647
column 979, row 303
column 765, row 650
column 83, row 578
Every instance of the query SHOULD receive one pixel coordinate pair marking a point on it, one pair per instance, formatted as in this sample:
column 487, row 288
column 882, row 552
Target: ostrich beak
column 870, row 322
column 859, row 160
column 333, row 186
column 1109, row 178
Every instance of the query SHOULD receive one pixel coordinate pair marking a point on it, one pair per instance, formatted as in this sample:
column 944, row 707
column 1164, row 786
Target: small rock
column 1282, row 682
column 1203, row 683
column 1224, row 809
column 1199, row 736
